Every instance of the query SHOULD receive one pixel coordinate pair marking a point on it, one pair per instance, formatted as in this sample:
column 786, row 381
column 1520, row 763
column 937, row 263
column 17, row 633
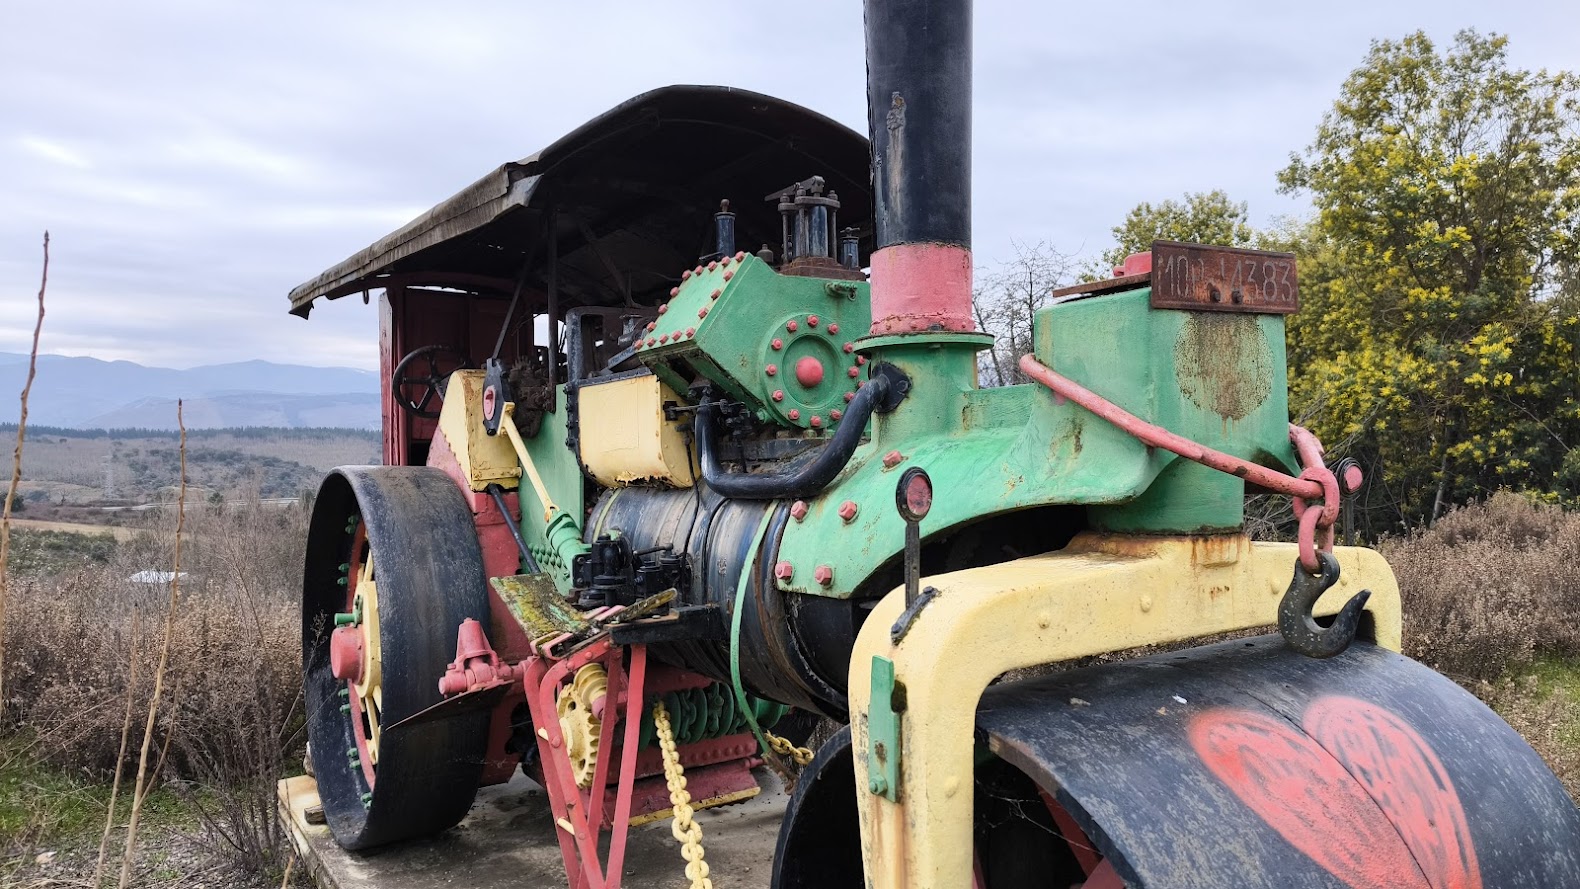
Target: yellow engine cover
column 625, row 438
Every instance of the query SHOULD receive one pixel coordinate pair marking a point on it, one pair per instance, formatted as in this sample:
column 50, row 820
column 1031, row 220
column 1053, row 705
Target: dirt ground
column 508, row 841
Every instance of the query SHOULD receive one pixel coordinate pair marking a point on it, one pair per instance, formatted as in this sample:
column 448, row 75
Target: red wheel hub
column 345, row 654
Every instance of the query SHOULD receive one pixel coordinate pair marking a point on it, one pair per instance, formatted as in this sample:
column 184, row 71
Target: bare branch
column 16, row 464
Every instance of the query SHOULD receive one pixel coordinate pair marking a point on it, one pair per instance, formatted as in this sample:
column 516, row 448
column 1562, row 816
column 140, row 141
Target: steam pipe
column 919, row 119
column 806, row 480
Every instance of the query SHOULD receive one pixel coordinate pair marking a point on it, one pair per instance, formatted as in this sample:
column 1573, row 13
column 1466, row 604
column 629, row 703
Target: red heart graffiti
column 1362, row 795
column 1401, row 772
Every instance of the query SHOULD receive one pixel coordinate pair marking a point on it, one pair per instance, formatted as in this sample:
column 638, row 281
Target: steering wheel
column 440, row 361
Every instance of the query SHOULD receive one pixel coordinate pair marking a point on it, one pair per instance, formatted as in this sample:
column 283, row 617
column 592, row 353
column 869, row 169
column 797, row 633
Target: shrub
column 1491, row 586
column 1492, row 599
column 231, row 716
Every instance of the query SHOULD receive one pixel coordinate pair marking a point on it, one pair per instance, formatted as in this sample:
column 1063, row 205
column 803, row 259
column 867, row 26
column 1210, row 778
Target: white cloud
column 196, row 160
column 54, row 152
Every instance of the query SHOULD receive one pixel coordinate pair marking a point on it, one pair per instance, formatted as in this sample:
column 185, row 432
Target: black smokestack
column 919, row 117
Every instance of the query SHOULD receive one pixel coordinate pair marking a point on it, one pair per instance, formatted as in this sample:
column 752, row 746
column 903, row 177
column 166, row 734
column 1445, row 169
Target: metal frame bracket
column 883, row 733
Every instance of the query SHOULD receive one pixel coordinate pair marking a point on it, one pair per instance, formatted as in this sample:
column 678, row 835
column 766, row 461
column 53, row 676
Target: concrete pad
column 507, row 840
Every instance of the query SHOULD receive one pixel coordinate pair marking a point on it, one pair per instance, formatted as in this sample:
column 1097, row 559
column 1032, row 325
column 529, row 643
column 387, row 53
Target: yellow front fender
column 1100, row 594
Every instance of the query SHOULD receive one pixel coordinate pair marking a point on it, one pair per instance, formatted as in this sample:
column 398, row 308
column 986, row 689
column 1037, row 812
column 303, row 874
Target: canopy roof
column 628, row 197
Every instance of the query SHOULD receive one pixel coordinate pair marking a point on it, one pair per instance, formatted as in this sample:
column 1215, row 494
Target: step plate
column 1244, row 764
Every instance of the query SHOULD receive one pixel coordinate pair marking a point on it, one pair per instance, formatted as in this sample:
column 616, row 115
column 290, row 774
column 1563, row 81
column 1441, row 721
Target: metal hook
column 1295, row 622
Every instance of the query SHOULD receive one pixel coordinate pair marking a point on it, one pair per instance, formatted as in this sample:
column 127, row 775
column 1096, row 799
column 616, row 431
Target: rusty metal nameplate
column 1223, row 279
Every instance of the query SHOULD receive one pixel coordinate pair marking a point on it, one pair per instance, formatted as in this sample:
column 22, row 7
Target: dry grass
column 1492, row 599
column 1491, row 587
column 231, row 717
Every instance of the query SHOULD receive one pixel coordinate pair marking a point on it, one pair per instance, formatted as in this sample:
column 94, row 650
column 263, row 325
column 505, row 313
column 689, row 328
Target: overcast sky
column 195, row 160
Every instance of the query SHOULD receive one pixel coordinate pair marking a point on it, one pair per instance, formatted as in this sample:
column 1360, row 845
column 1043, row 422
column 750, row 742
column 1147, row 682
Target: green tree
column 1206, row 217
column 1437, row 342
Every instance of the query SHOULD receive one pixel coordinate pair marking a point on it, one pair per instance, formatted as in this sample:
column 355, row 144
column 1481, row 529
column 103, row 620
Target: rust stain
column 1216, row 550
column 1223, row 364
column 1132, row 546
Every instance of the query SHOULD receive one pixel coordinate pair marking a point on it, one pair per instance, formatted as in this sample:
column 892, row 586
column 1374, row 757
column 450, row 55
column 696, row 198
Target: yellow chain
column 685, row 828
column 799, row 755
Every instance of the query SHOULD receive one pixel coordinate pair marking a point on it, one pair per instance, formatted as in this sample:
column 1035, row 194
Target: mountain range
column 87, row 393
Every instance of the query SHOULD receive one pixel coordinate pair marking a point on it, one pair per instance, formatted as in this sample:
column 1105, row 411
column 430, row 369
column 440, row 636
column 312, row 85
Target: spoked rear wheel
column 393, row 567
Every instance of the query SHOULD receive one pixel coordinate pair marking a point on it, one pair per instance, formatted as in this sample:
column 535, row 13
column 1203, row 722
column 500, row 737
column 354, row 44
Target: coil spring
column 698, row 714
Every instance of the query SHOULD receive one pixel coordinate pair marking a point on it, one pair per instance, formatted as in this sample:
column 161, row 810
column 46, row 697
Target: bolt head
column 691, row 332
column 792, row 326
column 663, row 337
column 836, row 414
column 712, row 266
column 823, row 574
column 674, row 292
column 652, row 325
column 771, row 369
column 777, row 344
column 650, row 341
column 798, row 510
column 816, row 421
column 848, row 347
column 809, row 371
column 663, row 308
column 848, row 510
column 784, row 571
column 833, row 329
column 697, row 270
column 811, row 320
column 850, row 396
column 715, row 293
column 778, row 395
column 853, row 372
column 685, row 275
column 728, row 275
column 740, row 255
column 702, row 312
column 861, row 359
column 892, row 459
column 795, row 414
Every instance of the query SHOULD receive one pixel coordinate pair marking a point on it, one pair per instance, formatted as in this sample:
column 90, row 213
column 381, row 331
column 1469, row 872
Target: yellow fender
column 1100, row 594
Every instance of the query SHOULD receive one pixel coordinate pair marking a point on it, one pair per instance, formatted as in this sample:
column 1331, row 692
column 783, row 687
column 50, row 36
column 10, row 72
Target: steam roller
column 649, row 512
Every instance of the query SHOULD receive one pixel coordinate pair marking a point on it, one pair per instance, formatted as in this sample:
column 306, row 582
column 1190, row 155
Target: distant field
column 68, row 467
column 120, row 534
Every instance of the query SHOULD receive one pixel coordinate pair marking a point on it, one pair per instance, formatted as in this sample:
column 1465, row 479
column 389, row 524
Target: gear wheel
column 578, row 722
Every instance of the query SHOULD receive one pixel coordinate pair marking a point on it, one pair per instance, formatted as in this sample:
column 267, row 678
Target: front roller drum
column 1247, row 765
column 393, row 567
column 1238, row 765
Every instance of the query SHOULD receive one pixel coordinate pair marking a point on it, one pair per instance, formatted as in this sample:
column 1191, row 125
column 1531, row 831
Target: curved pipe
column 803, row 481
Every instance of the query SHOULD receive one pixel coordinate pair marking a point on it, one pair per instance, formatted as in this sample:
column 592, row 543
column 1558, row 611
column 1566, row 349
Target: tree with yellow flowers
column 1438, row 336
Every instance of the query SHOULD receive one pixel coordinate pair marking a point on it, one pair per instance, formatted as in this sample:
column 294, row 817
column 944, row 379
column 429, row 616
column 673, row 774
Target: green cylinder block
column 783, row 345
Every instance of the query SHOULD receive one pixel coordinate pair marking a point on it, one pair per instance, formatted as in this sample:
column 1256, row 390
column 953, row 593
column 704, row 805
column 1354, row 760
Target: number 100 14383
column 1223, row 279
